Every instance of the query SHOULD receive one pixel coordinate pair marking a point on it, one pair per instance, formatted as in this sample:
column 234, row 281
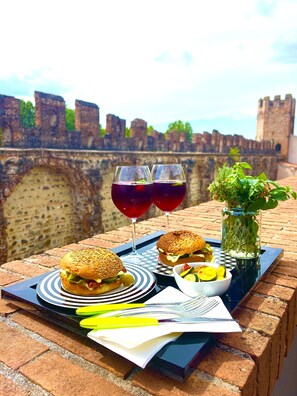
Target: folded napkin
column 140, row 344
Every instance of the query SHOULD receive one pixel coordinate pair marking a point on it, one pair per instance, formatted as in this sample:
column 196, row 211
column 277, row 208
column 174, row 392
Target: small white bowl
column 193, row 289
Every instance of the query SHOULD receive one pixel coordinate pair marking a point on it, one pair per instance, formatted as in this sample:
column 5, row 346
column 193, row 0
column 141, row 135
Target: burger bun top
column 92, row 263
column 180, row 242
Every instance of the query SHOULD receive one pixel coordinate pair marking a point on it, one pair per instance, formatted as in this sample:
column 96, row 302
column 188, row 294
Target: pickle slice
column 127, row 279
column 207, row 274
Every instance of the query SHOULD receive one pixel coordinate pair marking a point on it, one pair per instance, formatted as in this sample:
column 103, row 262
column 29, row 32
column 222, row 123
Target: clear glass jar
column 241, row 233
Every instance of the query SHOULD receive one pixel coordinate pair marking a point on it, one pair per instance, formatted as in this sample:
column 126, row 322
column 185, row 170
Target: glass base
column 132, row 258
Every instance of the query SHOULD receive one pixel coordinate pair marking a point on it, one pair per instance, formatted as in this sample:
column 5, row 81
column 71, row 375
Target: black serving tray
column 177, row 358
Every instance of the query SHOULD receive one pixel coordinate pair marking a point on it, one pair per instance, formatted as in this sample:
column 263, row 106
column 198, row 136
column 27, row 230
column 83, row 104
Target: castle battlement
column 50, row 131
column 275, row 121
column 266, row 103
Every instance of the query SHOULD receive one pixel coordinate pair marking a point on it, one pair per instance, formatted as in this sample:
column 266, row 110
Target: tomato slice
column 186, row 267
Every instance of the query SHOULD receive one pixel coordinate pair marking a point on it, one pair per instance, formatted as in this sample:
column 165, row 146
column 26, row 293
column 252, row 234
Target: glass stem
column 134, row 236
column 167, row 221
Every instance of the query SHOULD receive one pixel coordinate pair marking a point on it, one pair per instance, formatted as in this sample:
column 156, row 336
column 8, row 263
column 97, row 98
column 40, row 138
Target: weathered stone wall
column 39, row 213
column 52, row 197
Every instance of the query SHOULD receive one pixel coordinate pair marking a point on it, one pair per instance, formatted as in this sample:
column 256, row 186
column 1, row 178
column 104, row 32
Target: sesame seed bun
column 97, row 270
column 92, row 263
column 180, row 242
column 177, row 247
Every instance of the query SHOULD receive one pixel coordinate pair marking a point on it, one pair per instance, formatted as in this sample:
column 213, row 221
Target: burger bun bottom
column 191, row 259
column 82, row 290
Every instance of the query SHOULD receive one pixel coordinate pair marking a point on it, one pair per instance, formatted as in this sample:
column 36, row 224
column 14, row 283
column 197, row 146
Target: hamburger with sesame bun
column 89, row 272
column 177, row 247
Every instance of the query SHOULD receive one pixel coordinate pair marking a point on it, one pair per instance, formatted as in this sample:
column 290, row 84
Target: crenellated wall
column 50, row 131
column 50, row 198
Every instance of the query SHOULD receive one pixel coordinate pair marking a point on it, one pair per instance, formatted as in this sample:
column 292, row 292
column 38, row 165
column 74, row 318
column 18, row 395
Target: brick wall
column 52, row 197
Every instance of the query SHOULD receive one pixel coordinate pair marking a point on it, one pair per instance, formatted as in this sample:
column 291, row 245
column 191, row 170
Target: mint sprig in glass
column 245, row 196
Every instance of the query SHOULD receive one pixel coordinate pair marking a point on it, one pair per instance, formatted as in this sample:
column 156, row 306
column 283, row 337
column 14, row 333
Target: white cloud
column 160, row 60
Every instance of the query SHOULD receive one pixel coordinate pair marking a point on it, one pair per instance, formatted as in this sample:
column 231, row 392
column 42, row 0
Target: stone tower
column 275, row 122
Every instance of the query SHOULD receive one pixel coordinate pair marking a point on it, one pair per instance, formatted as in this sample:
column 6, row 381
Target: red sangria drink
column 168, row 195
column 132, row 194
column 169, row 187
column 132, row 199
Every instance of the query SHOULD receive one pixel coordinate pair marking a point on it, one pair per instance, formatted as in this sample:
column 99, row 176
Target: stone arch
column 84, row 188
column 39, row 214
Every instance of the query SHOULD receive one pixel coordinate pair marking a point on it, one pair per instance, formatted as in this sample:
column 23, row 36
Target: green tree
column 180, row 126
column 150, row 129
column 27, row 114
column 234, row 154
column 102, row 130
column 128, row 132
column 70, row 119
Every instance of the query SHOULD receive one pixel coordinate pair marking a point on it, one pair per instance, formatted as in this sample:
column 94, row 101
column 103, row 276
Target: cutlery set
column 112, row 316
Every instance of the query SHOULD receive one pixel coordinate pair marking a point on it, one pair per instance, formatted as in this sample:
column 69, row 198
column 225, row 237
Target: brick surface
column 256, row 346
column 6, row 278
column 22, row 268
column 265, row 325
column 76, row 344
column 7, row 308
column 95, row 242
column 16, row 348
column 273, row 307
column 57, row 252
column 61, row 377
column 156, row 384
column 232, row 369
column 285, row 294
column 286, row 270
column 8, row 387
column 44, row 260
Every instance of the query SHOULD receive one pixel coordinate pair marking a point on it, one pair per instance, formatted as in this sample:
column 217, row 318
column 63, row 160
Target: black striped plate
column 51, row 291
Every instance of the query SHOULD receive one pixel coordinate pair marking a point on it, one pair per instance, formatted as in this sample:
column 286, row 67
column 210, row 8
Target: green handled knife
column 99, row 323
column 97, row 309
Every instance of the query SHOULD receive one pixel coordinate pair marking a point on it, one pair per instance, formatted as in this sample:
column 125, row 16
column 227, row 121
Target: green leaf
column 262, row 176
column 271, row 204
column 279, row 195
column 256, row 205
column 245, row 165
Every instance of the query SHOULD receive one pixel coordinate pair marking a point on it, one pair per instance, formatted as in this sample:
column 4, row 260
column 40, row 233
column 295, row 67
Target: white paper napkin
column 140, row 344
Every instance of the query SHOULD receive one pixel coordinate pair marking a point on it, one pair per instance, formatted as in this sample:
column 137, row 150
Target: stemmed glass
column 132, row 194
column 170, row 187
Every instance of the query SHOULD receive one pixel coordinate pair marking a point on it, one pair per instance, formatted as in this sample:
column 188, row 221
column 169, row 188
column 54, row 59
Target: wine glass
column 169, row 187
column 132, row 194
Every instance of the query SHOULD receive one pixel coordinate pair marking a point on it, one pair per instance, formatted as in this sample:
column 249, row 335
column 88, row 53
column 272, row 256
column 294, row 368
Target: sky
column 203, row 62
